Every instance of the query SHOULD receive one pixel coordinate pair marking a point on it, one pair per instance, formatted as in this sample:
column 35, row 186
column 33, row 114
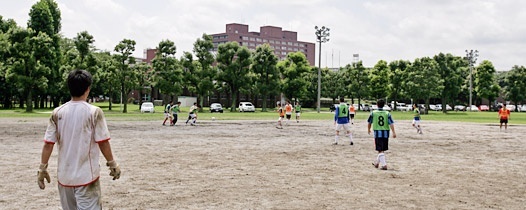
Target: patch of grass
column 134, row 114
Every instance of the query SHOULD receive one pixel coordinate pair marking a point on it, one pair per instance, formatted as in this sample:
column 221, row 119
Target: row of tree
column 34, row 63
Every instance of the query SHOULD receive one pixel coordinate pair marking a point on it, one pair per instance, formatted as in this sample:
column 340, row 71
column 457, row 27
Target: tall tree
column 206, row 72
column 7, row 89
column 423, row 80
column 379, row 80
column 233, row 64
column 26, row 67
column 333, row 83
column 358, row 83
column 266, row 78
column 167, row 73
column 45, row 17
column 396, row 77
column 109, row 78
column 143, row 81
column 516, row 84
column 450, row 69
column 485, row 81
column 294, row 70
column 125, row 74
column 83, row 43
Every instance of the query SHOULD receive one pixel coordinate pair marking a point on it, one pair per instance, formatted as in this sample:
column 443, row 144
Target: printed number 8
column 381, row 121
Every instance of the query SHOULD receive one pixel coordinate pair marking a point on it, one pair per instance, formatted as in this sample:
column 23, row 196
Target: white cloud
column 380, row 29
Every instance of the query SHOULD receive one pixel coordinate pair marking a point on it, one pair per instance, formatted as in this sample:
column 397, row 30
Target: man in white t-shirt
column 80, row 131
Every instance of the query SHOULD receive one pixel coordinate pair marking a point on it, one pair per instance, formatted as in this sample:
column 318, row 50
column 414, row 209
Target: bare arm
column 393, row 130
column 368, row 128
column 105, row 148
column 47, row 149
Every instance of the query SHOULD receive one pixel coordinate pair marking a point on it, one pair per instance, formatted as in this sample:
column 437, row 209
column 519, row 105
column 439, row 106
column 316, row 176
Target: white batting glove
column 115, row 170
column 43, row 174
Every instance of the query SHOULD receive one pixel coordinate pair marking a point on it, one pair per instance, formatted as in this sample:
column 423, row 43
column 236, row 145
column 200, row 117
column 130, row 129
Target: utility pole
column 471, row 55
column 322, row 35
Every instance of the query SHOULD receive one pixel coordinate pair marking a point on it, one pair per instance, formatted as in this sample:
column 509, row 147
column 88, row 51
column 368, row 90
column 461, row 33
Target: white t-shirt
column 77, row 127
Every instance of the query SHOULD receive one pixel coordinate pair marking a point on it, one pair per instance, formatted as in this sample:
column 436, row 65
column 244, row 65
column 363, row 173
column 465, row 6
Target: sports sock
column 164, row 121
column 336, row 138
column 350, row 136
column 381, row 157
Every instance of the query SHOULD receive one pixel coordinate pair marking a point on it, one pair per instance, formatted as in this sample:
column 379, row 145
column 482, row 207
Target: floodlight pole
column 321, row 37
column 471, row 55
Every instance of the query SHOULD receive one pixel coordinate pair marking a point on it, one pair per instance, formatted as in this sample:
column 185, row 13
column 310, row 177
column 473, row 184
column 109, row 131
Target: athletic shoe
column 352, row 143
column 335, row 143
column 375, row 165
column 383, row 168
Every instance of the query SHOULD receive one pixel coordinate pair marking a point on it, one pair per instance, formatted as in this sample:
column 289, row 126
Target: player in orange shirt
column 504, row 115
column 352, row 113
column 288, row 111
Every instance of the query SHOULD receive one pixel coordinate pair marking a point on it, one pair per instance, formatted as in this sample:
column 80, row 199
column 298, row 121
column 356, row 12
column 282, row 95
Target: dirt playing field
column 253, row 165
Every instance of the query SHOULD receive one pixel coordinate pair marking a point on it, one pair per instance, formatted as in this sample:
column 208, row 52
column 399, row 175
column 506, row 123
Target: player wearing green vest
column 175, row 110
column 298, row 111
column 381, row 121
column 416, row 119
column 341, row 117
column 167, row 111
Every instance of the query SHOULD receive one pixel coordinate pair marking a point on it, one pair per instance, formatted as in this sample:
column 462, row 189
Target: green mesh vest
column 343, row 110
column 380, row 120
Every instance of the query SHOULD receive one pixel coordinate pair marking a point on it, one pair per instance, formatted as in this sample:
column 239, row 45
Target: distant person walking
column 281, row 113
column 192, row 114
column 288, row 111
column 175, row 111
column 416, row 119
column 352, row 112
column 381, row 121
column 297, row 108
column 341, row 121
column 167, row 114
column 504, row 116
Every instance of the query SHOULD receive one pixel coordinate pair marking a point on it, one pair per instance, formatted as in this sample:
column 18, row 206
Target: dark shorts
column 503, row 120
column 288, row 116
column 352, row 115
column 382, row 144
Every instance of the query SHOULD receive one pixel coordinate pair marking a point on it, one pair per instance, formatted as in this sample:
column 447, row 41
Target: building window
column 236, row 32
column 283, row 42
column 284, row 48
column 252, row 44
column 252, row 39
column 264, row 40
column 289, row 49
column 271, row 41
column 289, row 43
column 295, row 44
column 245, row 38
column 258, row 40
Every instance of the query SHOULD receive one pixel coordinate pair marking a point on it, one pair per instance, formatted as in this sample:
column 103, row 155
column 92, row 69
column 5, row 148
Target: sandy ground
column 253, row 165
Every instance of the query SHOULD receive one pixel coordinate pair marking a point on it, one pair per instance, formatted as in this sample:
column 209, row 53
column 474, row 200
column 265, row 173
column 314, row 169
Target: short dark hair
column 380, row 103
column 342, row 99
column 78, row 82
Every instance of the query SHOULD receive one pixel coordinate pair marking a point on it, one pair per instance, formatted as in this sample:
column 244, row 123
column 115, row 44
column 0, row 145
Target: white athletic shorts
column 84, row 197
column 298, row 114
column 193, row 115
column 345, row 127
column 280, row 118
column 416, row 122
column 167, row 114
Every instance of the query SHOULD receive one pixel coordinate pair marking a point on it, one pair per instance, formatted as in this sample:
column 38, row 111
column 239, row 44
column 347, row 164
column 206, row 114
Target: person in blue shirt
column 341, row 121
column 381, row 121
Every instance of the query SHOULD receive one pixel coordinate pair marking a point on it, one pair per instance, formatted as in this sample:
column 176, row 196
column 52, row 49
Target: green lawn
column 307, row 114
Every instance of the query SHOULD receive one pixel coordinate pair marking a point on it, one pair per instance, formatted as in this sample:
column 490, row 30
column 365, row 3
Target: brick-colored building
column 283, row 42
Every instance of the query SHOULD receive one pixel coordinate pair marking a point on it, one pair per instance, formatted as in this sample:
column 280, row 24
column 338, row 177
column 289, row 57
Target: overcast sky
column 376, row 29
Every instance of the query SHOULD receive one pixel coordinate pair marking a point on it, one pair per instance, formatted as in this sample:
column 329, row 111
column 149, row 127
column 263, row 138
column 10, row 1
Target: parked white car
column 147, row 107
column 460, row 108
column 246, row 107
column 522, row 108
column 472, row 108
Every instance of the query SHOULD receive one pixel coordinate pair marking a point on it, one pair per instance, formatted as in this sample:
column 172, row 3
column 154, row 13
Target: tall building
column 282, row 42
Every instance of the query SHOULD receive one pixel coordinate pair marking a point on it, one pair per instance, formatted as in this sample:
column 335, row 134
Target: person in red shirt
column 504, row 115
